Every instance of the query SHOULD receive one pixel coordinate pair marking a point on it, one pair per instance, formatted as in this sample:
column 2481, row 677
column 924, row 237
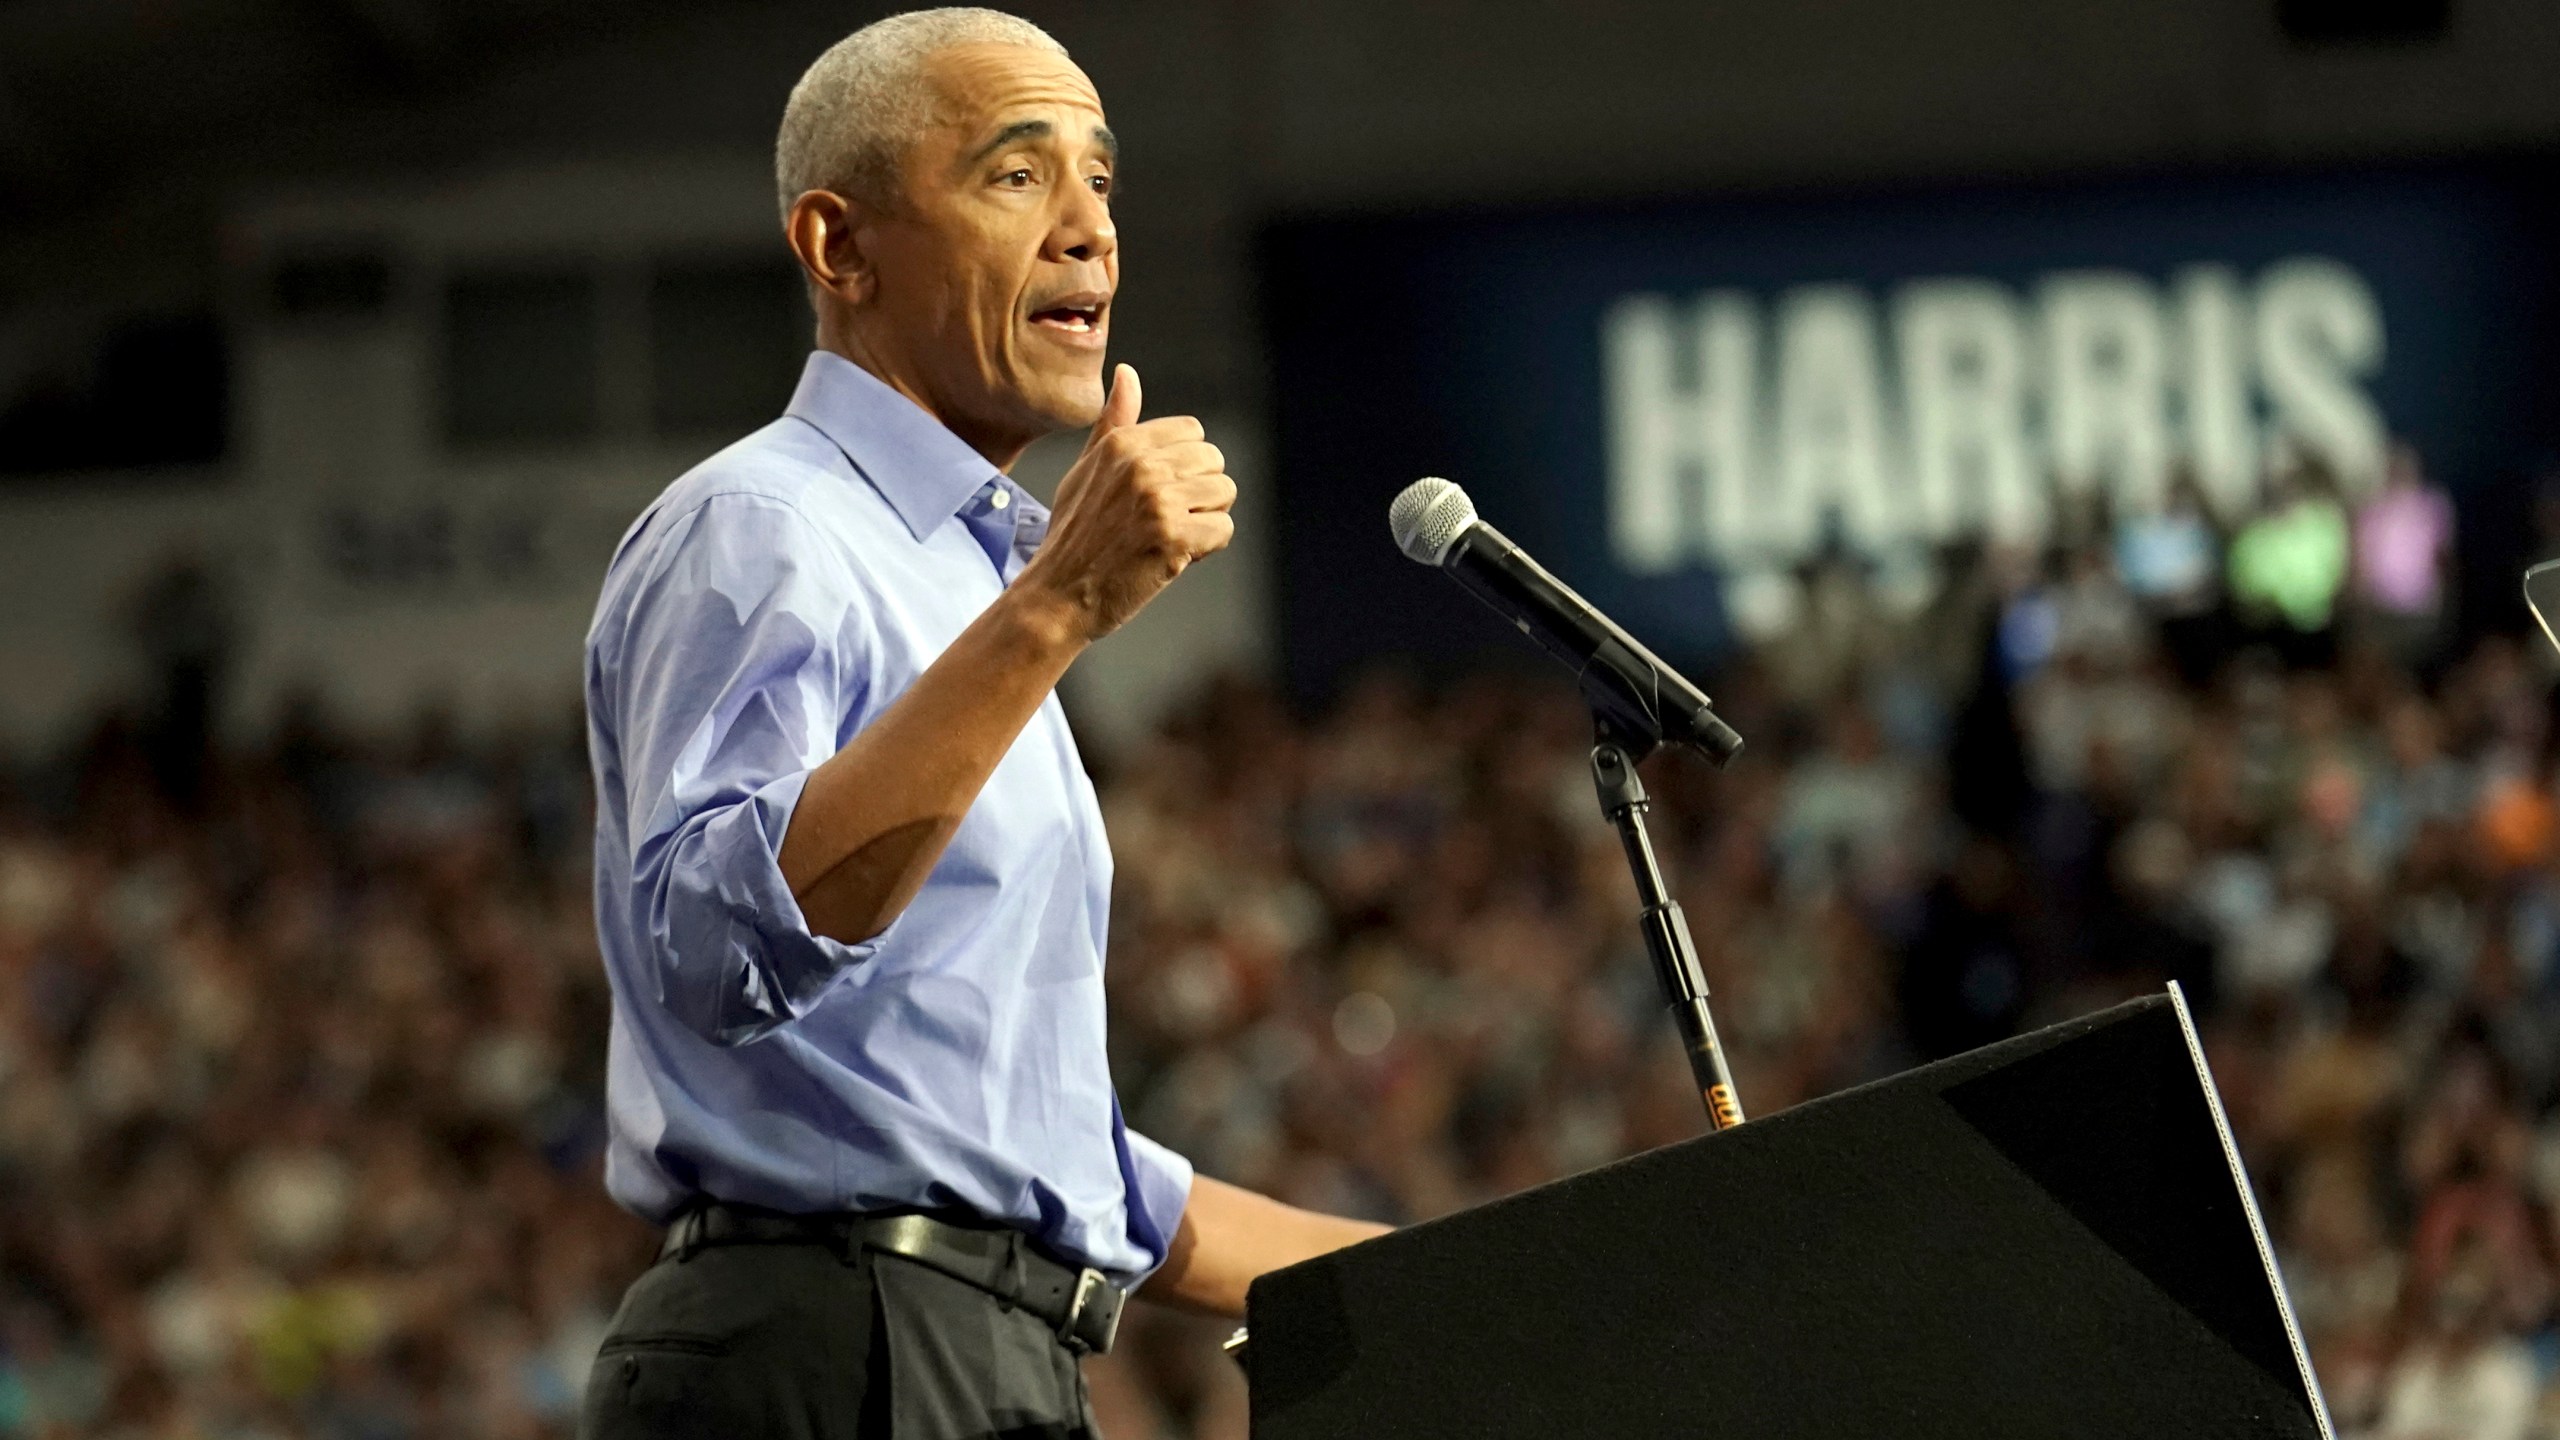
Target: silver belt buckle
column 1092, row 1320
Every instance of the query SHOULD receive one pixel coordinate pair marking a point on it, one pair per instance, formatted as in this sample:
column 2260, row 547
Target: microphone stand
column 1666, row 929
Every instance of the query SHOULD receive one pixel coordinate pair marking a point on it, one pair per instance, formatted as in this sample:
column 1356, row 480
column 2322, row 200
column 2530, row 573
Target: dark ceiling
column 97, row 94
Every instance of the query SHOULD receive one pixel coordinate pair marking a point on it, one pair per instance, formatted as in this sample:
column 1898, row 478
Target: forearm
column 873, row 819
column 1229, row 1235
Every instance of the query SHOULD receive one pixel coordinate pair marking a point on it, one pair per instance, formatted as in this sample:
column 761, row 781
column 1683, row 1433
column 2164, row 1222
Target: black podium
column 2047, row 1238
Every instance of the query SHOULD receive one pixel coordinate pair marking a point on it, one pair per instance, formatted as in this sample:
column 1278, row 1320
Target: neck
column 1001, row 447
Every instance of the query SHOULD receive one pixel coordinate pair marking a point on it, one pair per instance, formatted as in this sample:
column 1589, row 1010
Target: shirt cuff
column 785, row 968
column 1160, row 1188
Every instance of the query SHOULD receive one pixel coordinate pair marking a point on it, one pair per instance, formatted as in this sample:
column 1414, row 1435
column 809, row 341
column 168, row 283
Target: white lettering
column 1831, row 424
column 1680, row 455
column 2319, row 331
column 2220, row 432
column 2105, row 415
column 1712, row 462
column 1963, row 372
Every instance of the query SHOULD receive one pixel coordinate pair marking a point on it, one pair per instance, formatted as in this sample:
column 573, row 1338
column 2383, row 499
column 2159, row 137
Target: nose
column 1084, row 231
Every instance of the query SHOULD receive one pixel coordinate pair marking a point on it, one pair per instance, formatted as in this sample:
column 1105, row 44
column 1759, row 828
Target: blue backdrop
column 1468, row 345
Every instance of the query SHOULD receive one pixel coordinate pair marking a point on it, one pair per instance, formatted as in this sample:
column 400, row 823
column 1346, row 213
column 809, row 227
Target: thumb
column 1120, row 407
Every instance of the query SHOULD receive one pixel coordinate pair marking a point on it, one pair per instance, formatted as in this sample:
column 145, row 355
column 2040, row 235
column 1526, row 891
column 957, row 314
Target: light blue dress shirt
column 770, row 604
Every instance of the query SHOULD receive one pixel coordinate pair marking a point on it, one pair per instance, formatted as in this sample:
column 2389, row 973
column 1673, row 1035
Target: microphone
column 1628, row 686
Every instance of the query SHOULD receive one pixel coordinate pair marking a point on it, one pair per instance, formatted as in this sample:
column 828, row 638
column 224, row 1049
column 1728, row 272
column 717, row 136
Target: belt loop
column 857, row 1242
column 689, row 1227
column 1013, row 1243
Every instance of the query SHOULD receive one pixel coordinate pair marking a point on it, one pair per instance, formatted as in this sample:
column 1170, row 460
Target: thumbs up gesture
column 1144, row 500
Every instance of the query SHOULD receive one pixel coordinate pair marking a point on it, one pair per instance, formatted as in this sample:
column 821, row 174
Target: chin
column 1068, row 404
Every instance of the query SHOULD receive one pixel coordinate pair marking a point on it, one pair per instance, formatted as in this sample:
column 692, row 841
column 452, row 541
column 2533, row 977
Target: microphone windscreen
column 1428, row 517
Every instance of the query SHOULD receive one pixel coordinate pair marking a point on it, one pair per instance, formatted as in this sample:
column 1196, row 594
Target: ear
column 824, row 230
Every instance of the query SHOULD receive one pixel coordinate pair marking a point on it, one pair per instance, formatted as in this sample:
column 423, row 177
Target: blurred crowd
column 300, row 1046
column 300, row 1113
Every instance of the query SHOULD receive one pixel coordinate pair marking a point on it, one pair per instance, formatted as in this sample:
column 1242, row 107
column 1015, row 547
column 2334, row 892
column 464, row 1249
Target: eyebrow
column 1042, row 130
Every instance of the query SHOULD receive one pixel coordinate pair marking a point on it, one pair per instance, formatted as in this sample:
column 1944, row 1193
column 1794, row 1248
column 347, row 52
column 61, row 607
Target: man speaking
column 851, row 881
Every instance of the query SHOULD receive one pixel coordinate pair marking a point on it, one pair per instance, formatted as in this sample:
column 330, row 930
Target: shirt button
column 1000, row 499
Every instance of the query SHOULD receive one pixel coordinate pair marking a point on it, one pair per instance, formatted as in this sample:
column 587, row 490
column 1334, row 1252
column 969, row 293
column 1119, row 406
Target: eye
column 1101, row 184
column 1016, row 179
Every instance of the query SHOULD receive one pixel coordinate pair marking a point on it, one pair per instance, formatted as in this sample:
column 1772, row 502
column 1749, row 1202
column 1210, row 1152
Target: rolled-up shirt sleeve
column 1158, row 1182
column 740, row 654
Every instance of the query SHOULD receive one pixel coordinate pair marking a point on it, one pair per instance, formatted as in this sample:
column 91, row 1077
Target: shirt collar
column 925, row 472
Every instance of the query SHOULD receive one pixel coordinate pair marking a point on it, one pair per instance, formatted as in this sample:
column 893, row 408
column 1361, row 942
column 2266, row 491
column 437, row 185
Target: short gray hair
column 855, row 112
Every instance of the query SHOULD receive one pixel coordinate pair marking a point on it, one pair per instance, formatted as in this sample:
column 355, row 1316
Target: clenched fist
column 1144, row 500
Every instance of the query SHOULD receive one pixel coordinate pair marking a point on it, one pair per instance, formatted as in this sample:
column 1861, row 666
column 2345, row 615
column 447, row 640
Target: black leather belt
column 1079, row 1303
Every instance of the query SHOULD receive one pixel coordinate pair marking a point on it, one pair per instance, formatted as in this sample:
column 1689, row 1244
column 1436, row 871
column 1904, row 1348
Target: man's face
column 994, row 278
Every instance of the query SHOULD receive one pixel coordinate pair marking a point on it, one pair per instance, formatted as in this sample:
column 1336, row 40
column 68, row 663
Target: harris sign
column 1674, row 406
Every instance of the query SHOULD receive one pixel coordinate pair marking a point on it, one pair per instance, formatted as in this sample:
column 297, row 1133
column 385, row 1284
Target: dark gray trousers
column 794, row 1342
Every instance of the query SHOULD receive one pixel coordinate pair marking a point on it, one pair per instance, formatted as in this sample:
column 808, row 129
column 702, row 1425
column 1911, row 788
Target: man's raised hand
column 1144, row 500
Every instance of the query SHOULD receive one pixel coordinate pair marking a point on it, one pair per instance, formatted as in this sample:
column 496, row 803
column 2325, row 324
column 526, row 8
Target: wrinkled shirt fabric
column 770, row 604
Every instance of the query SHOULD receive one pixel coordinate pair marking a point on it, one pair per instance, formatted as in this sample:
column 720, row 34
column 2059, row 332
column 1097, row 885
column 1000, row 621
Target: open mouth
column 1076, row 315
